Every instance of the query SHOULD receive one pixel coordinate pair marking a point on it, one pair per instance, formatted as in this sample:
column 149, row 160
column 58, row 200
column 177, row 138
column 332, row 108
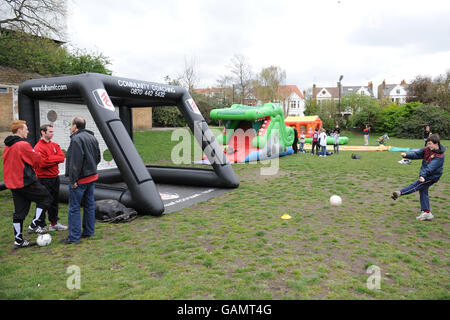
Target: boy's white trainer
column 425, row 216
column 57, row 227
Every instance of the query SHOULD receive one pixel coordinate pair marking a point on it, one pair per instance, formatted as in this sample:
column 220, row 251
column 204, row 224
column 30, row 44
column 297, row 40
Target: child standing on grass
column 323, row 143
column 432, row 167
column 337, row 133
column 302, row 141
column 315, row 141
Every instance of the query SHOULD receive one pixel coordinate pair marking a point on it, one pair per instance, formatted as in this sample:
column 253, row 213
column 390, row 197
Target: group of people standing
column 319, row 141
column 32, row 175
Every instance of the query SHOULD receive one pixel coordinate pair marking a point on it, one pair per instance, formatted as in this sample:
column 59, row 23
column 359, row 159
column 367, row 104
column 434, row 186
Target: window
column 398, row 91
column 4, row 89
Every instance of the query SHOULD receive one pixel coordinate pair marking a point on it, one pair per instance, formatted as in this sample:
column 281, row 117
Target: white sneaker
column 425, row 216
column 38, row 230
column 57, row 227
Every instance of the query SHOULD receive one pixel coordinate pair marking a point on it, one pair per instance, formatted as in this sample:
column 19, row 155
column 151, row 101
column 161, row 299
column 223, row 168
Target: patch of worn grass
column 238, row 247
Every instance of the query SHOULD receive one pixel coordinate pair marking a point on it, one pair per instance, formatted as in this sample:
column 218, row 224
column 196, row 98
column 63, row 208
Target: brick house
column 332, row 93
column 10, row 79
column 394, row 92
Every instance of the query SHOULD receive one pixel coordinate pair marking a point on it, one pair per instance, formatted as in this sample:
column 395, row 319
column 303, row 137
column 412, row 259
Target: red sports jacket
column 19, row 159
column 51, row 155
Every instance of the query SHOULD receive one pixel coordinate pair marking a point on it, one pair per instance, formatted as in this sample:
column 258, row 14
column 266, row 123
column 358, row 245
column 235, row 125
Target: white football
column 335, row 200
column 44, row 239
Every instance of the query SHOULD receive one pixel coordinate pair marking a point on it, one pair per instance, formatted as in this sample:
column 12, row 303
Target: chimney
column 370, row 86
column 381, row 89
column 403, row 83
column 314, row 91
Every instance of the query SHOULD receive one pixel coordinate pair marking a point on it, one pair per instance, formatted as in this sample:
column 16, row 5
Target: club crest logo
column 103, row 100
column 193, row 106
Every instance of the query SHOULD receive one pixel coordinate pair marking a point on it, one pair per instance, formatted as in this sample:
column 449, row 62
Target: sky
column 313, row 41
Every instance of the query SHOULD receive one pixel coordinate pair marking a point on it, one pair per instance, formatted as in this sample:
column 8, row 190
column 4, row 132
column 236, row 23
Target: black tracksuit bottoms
column 23, row 197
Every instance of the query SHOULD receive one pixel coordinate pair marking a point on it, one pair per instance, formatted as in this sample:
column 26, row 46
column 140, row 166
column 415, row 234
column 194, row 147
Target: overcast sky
column 313, row 41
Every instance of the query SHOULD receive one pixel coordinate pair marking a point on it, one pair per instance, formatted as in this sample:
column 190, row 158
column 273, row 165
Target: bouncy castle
column 254, row 133
column 306, row 124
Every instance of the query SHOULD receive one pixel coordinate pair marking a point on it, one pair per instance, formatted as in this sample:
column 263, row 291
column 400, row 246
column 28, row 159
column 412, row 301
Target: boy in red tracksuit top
column 48, row 174
column 19, row 158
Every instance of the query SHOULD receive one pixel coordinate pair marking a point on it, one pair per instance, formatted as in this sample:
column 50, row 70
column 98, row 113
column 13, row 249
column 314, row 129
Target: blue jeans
column 324, row 151
column 422, row 187
column 83, row 195
column 336, row 148
column 302, row 144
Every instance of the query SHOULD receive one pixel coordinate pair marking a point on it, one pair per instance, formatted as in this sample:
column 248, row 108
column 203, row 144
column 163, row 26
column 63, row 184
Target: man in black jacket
column 295, row 143
column 82, row 158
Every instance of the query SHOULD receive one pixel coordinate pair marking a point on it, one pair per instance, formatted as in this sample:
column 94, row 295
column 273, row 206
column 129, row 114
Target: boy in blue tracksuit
column 432, row 167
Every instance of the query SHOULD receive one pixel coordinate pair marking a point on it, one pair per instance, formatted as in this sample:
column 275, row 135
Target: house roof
column 389, row 87
column 285, row 91
column 352, row 89
column 334, row 91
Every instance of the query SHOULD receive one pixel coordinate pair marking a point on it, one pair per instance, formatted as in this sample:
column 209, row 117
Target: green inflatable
column 263, row 119
column 330, row 140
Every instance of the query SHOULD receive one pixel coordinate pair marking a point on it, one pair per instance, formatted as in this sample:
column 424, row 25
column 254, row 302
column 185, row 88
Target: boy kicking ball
column 432, row 167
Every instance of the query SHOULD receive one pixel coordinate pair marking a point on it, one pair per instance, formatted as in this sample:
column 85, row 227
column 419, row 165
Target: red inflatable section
column 306, row 124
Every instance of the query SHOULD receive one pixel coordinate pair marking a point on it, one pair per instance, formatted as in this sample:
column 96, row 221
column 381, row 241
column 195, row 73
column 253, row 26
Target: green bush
column 206, row 104
column 391, row 115
column 44, row 56
column 422, row 115
column 368, row 115
column 172, row 117
column 167, row 117
column 30, row 54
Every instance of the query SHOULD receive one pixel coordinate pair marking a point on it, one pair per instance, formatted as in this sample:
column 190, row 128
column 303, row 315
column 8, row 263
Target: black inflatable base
column 174, row 197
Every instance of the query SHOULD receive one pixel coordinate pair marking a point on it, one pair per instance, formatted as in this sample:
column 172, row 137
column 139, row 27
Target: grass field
column 238, row 247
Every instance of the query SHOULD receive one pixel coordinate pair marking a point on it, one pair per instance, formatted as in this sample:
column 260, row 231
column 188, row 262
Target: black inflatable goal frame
column 101, row 94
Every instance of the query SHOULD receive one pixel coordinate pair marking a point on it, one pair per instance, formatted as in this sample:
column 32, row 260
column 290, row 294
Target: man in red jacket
column 19, row 158
column 48, row 174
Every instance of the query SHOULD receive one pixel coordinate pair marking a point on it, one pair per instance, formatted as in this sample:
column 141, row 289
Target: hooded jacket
column 83, row 156
column 19, row 159
column 432, row 163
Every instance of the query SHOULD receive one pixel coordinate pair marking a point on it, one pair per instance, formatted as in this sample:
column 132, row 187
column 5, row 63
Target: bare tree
column 268, row 82
column 242, row 75
column 226, row 86
column 431, row 91
column 44, row 18
column 188, row 78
